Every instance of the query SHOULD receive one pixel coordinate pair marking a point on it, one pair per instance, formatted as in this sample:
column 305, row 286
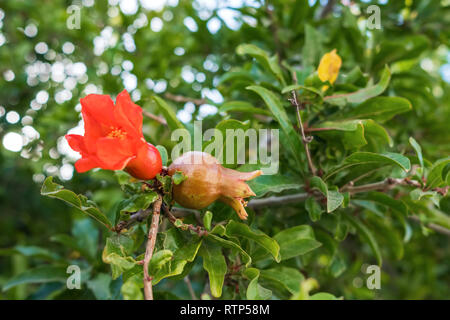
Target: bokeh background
column 177, row 47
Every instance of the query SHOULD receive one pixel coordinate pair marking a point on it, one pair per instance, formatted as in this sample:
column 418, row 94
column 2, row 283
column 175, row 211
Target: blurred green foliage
column 214, row 50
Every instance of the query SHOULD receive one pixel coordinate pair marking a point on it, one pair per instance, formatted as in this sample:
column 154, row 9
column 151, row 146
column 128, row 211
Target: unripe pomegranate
column 207, row 181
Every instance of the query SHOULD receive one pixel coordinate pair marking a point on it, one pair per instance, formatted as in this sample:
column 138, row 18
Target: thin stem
column 318, row 129
column 179, row 98
column 189, row 286
column 154, row 117
column 197, row 229
column 273, row 201
column 139, row 216
column 328, row 8
column 274, row 29
column 370, row 187
column 153, row 231
column 433, row 226
column 306, row 140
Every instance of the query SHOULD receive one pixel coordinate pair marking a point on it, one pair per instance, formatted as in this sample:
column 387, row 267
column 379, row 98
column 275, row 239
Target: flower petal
column 85, row 164
column 114, row 154
column 100, row 108
column 76, row 142
column 128, row 114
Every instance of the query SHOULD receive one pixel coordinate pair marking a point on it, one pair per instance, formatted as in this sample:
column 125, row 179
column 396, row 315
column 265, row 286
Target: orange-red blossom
column 113, row 138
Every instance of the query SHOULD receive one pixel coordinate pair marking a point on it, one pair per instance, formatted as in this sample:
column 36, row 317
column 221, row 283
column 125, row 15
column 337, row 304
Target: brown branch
column 179, row 98
column 318, row 129
column 191, row 290
column 154, row 117
column 432, row 226
column 306, row 140
column 139, row 216
column 197, row 229
column 153, row 231
column 388, row 184
column 328, row 8
column 382, row 185
column 274, row 29
column 274, row 201
column 176, row 213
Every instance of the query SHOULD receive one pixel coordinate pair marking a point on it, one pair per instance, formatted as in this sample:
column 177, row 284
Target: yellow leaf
column 329, row 67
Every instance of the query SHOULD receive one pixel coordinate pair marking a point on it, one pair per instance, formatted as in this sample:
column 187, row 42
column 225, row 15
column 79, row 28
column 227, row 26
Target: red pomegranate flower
column 113, row 138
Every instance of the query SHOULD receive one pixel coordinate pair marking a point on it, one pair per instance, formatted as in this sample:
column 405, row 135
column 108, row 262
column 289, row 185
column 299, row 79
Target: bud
column 207, row 181
column 147, row 164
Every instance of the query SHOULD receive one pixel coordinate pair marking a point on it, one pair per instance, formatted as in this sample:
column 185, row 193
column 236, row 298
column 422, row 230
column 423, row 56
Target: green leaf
column 100, row 286
column 164, row 155
column 275, row 106
column 312, row 48
column 389, row 235
column 419, row 194
column 123, row 178
column 41, row 274
column 319, row 184
column 275, row 183
column 236, row 74
column 207, row 218
column 158, row 260
column 407, row 47
column 231, row 245
column 87, row 236
column 54, row 190
column 178, row 177
column 214, row 263
column 237, row 229
column 372, row 160
column 184, row 251
column 269, row 63
column 169, row 114
column 242, row 106
column 66, row 240
column 367, row 235
column 139, row 202
column 296, row 241
column 131, row 289
column 299, row 86
column 366, row 93
column 285, row 277
column 386, row 200
column 313, row 208
column 115, row 253
column 418, row 150
column 379, row 109
column 444, row 204
column 254, row 290
column 434, row 178
column 334, row 198
column 323, row 296
column 341, row 230
column 354, row 134
column 30, row 251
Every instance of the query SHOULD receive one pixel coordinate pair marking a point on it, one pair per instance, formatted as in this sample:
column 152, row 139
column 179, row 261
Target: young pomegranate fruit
column 207, row 181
